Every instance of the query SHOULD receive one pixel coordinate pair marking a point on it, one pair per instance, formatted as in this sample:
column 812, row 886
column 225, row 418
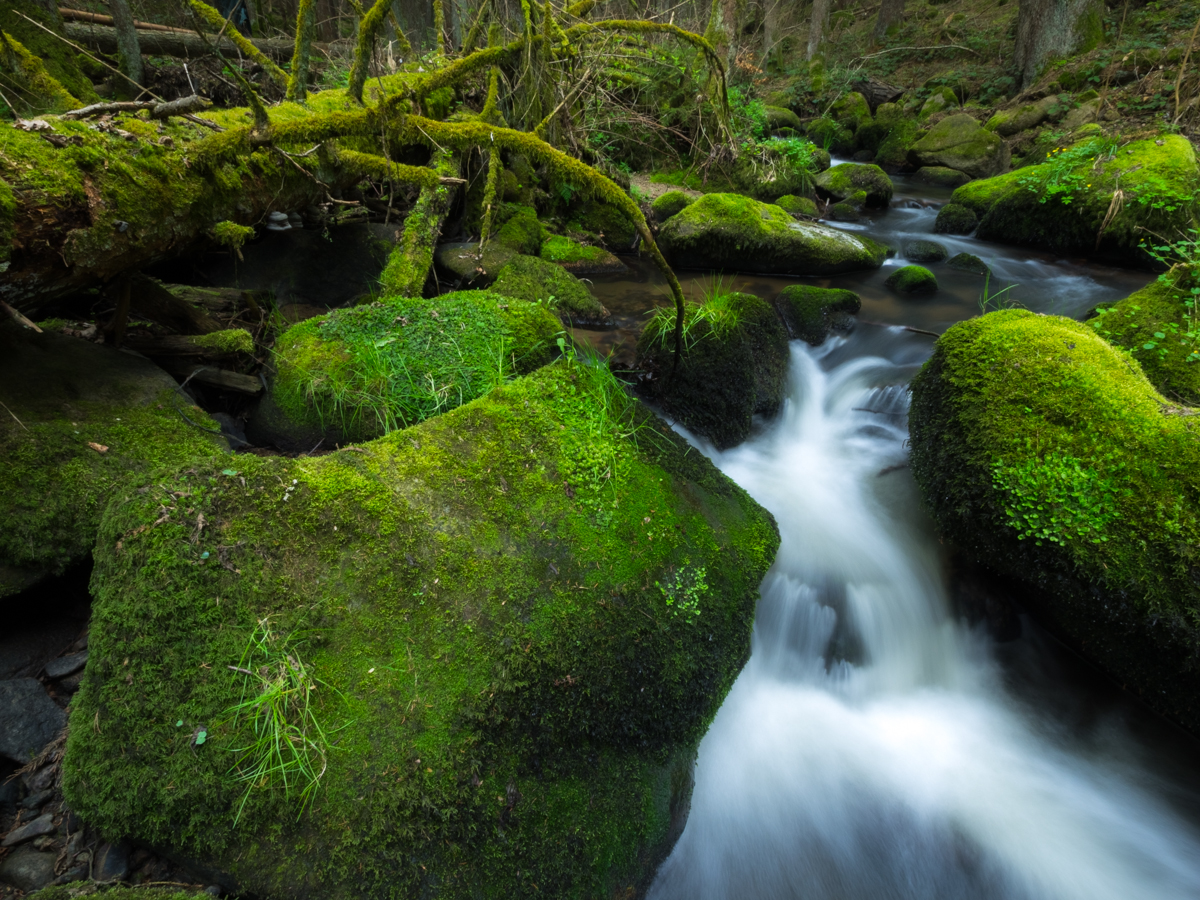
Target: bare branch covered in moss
column 215, row 20
column 368, row 29
column 28, row 68
column 371, row 166
column 306, row 23
column 408, row 266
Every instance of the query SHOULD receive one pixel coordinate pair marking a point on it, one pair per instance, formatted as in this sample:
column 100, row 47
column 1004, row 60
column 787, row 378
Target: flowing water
column 875, row 746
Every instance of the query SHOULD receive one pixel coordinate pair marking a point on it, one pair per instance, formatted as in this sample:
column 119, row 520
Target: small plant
column 1068, row 171
column 1057, row 499
column 989, row 302
column 683, row 590
column 290, row 747
column 716, row 315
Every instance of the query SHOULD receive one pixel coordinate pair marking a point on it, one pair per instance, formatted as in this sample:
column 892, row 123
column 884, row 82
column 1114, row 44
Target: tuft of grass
column 717, row 310
column 290, row 747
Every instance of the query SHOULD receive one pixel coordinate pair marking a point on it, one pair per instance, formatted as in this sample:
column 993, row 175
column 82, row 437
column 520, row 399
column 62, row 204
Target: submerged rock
column 1063, row 205
column 959, row 142
column 955, row 218
column 514, row 623
column 80, row 420
column 1045, row 455
column 538, row 281
column 925, row 252
column 912, row 280
column 670, row 203
column 968, row 262
column 810, row 313
column 732, row 232
column 848, row 179
column 733, row 366
column 355, row 374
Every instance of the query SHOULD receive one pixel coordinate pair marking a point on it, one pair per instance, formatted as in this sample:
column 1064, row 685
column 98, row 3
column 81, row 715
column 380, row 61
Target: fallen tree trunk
column 176, row 43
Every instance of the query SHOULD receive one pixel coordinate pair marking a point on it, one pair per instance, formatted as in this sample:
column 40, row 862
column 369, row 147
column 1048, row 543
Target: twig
column 905, row 327
column 898, row 49
column 13, row 414
column 158, row 109
column 19, row 317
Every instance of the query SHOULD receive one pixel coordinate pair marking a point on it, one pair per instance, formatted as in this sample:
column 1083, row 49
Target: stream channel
column 876, row 745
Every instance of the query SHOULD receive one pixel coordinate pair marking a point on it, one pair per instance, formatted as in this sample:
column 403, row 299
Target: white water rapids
column 871, row 748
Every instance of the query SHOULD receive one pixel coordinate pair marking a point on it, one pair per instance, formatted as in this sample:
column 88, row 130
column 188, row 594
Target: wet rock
column 461, row 264
column 959, row 142
column 29, row 720
column 847, row 179
column 670, row 203
column 845, row 212
column 810, row 313
column 955, row 218
column 36, row 828
column 798, row 206
column 925, row 252
column 912, row 280
column 968, row 262
column 66, row 665
column 580, row 259
column 28, row 869
column 535, row 280
column 940, row 176
column 111, row 862
column 737, row 233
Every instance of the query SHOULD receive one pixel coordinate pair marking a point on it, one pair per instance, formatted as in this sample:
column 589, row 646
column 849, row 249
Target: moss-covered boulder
column 810, row 313
column 354, row 374
column 798, row 206
column 538, row 281
column 733, row 366
column 955, row 218
column 580, row 259
column 666, row 205
column 521, row 231
column 462, row 264
column 912, row 280
column 80, row 422
column 845, row 180
column 960, row 142
column 729, row 231
column 893, row 132
column 941, row 100
column 1008, row 122
column 968, row 262
column 610, row 226
column 925, row 252
column 504, row 630
column 780, row 117
column 1045, row 455
column 1152, row 324
column 851, row 110
column 830, row 135
column 940, row 176
column 1062, row 204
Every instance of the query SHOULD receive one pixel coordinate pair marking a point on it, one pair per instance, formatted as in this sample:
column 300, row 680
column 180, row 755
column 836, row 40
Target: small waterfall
column 869, row 749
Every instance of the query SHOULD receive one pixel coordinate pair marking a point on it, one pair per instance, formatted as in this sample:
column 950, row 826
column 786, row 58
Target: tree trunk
column 816, row 28
column 1054, row 27
column 129, row 55
column 164, row 43
column 772, row 9
column 891, row 12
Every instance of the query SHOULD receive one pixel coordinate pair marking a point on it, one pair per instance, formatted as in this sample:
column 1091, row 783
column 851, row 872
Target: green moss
column 1046, row 454
column 8, row 211
column 968, row 262
column 77, row 889
column 733, row 366
column 925, row 252
column 230, row 340
column 372, row 369
column 780, row 117
column 958, row 142
column 737, row 233
column 68, row 395
column 940, row 100
column 42, row 91
column 798, row 206
column 941, row 176
column 57, row 58
column 1139, row 319
column 231, row 235
column 847, row 179
column 538, row 281
column 892, row 152
column 518, row 702
column 776, row 167
column 955, row 218
column 810, row 312
column 522, row 232
column 912, row 280
column 1158, row 178
column 851, row 110
column 561, row 249
column 606, row 222
column 666, row 205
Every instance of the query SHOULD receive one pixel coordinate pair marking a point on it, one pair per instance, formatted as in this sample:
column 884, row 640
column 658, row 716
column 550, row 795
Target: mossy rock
column 517, row 620
column 781, row 117
column 580, row 259
column 810, row 313
column 608, row 223
column 851, row 110
column 846, row 212
column 798, row 206
column 1082, row 115
column 1045, row 454
column 460, row 264
column 521, row 232
column 668, row 204
column 968, row 262
column 354, row 374
column 1136, row 322
column 912, row 280
column 940, row 100
column 538, row 281
column 1159, row 178
column 1006, row 123
column 940, row 176
column 925, row 252
column 892, row 153
column 729, row 231
column 955, row 218
column 733, row 366
column 830, row 136
column 81, row 423
column 845, row 180
column 959, row 142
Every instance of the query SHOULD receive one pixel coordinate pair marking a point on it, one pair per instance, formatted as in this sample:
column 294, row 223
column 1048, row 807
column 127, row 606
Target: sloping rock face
column 79, row 421
column 1044, row 454
column 512, row 624
column 729, row 231
column 810, row 313
column 535, row 280
column 847, row 179
column 959, row 142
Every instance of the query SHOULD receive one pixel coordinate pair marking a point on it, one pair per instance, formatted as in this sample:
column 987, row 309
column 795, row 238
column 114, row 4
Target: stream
column 875, row 746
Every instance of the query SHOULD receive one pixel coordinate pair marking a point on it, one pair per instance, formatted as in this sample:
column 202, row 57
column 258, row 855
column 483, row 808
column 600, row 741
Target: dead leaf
column 99, row 448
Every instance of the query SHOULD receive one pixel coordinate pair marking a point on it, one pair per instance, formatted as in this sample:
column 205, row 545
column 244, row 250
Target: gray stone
column 924, row 251
column 959, row 142
column 38, row 800
column 28, row 869
column 66, row 665
column 112, row 862
column 968, row 262
column 460, row 265
column 29, row 719
column 36, row 828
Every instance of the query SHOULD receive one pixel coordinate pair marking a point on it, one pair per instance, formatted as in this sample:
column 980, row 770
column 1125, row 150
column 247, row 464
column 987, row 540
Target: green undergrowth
column 76, row 889
column 387, row 365
column 482, row 608
column 1046, row 450
column 560, row 249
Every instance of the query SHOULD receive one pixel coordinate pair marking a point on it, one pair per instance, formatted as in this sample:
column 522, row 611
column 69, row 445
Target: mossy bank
column 518, row 618
column 1045, row 454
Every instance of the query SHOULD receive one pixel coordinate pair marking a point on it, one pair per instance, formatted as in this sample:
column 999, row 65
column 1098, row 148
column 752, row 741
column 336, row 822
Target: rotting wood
column 152, row 301
column 214, row 377
column 79, row 15
column 157, row 43
column 159, row 109
column 173, row 345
